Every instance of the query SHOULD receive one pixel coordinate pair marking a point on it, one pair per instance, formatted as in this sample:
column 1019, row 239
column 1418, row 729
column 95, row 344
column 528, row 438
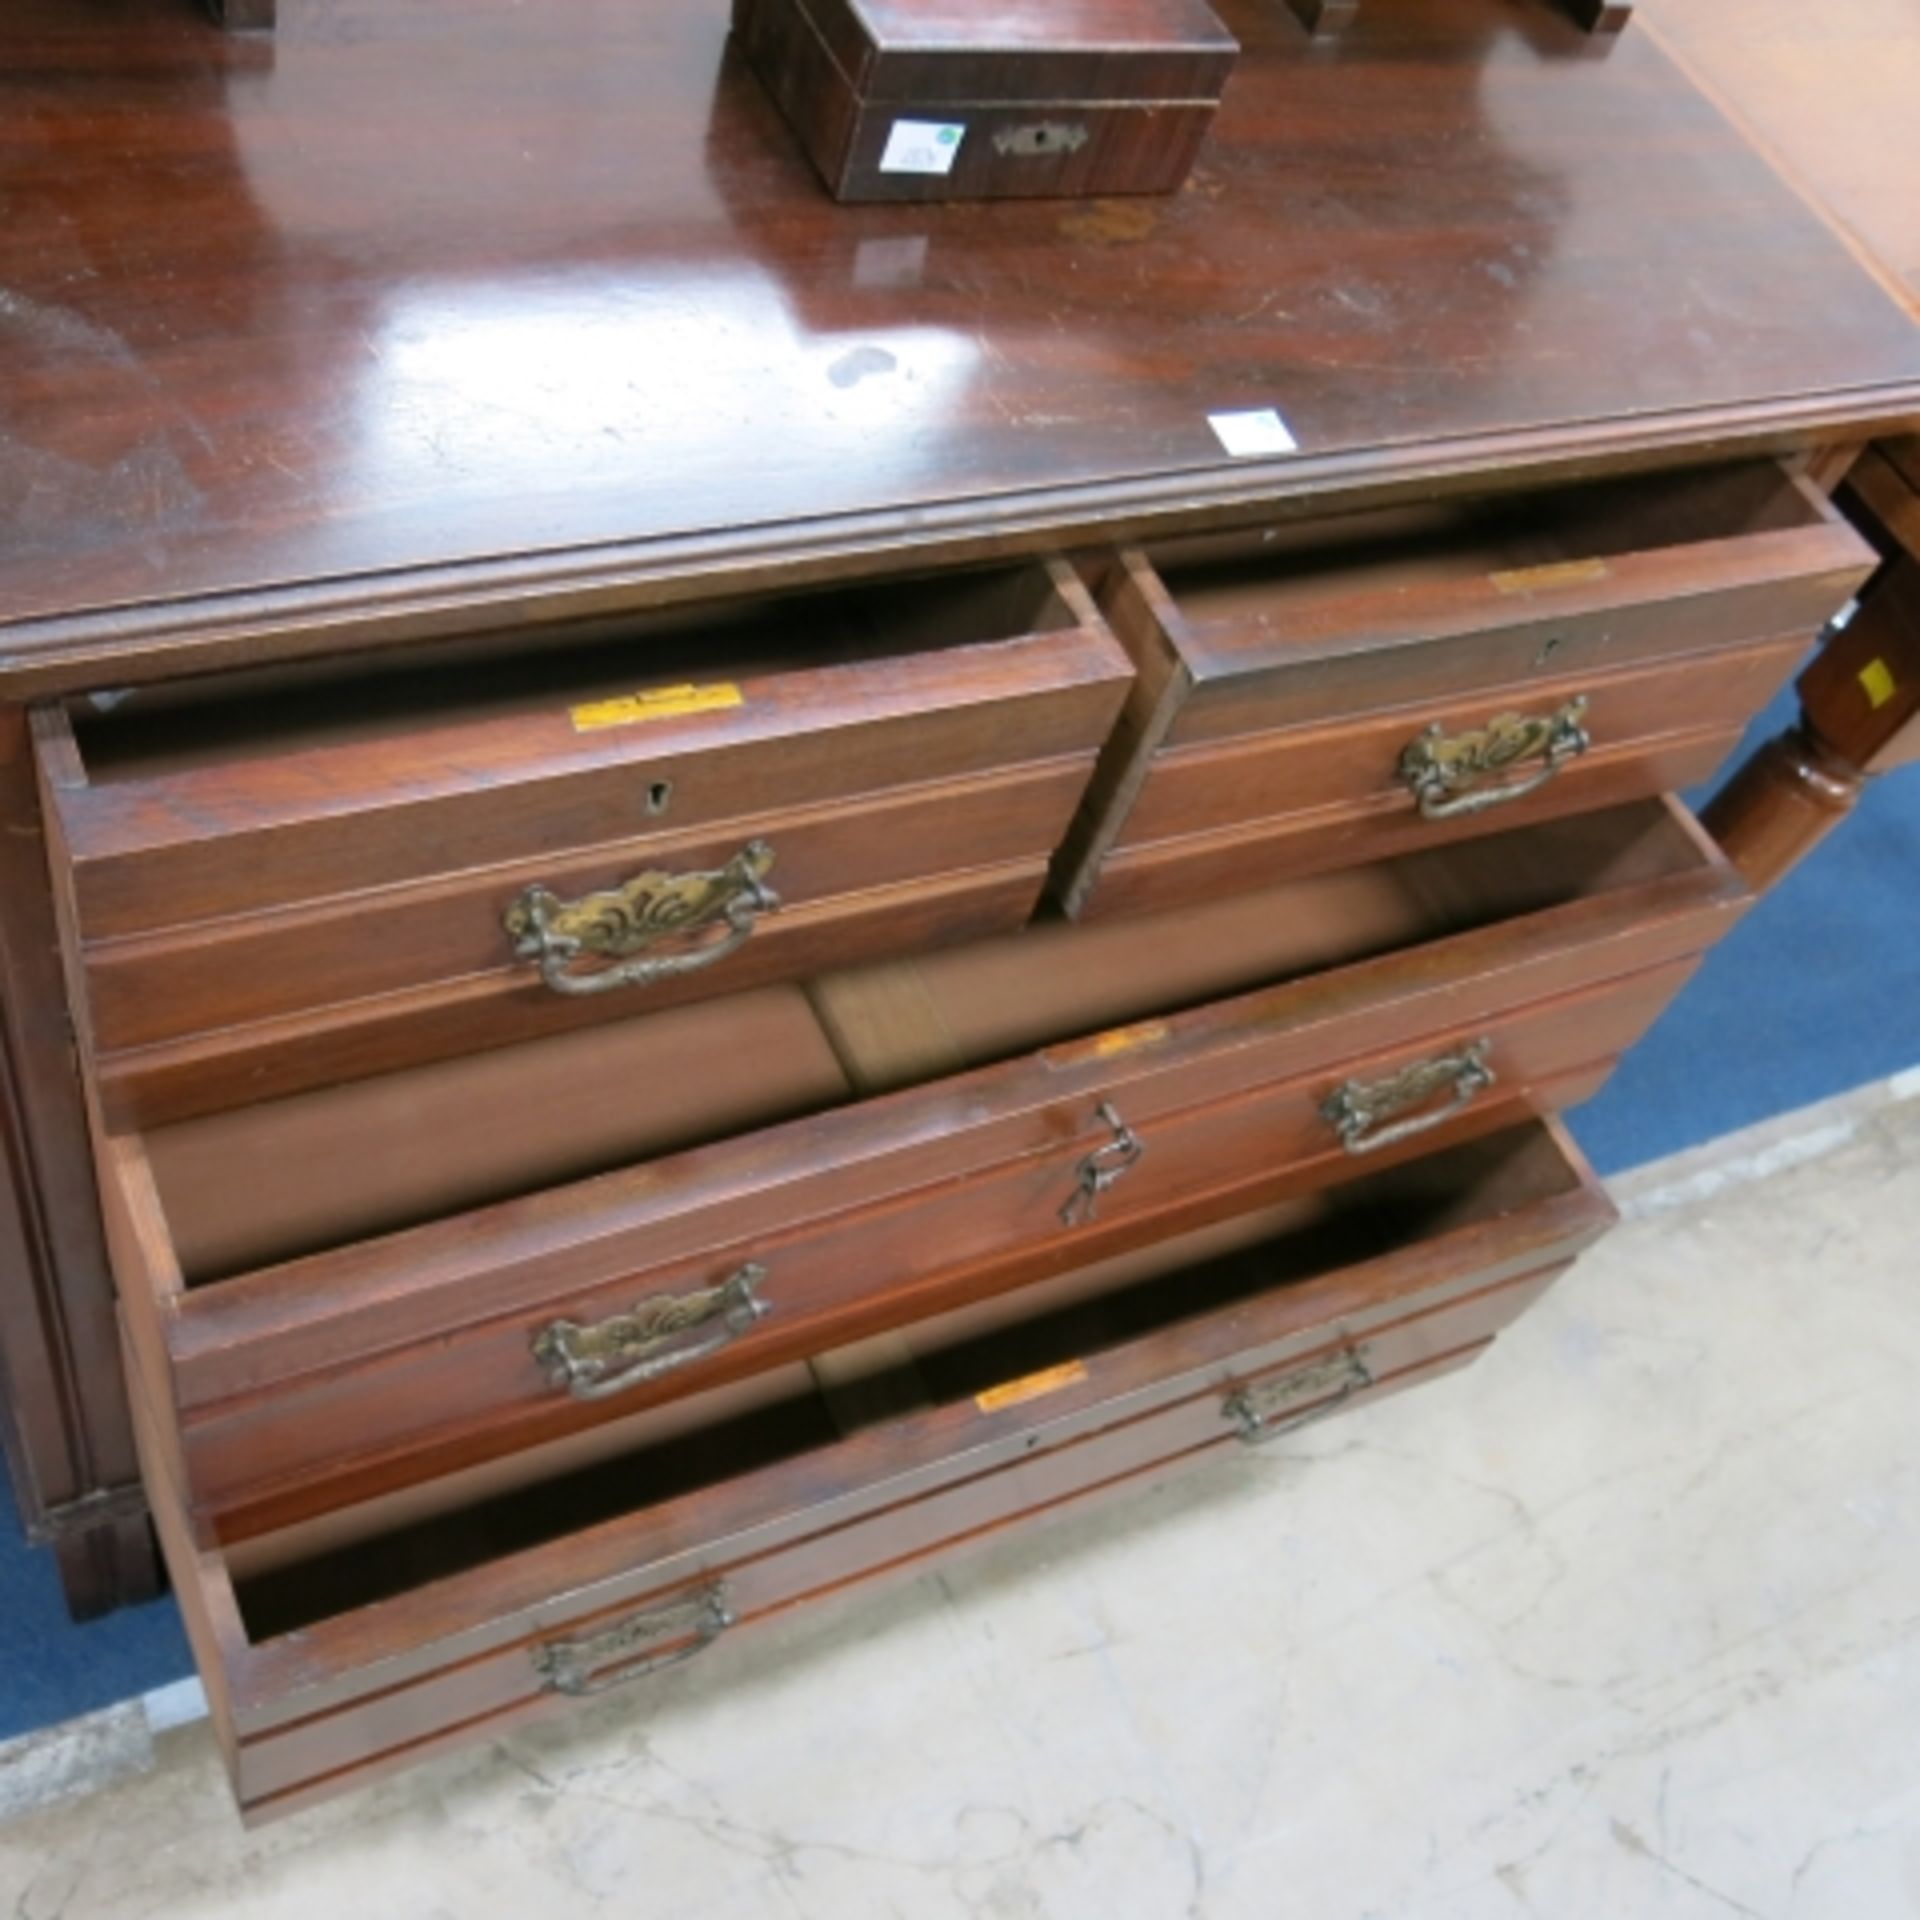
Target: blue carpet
column 50, row 1669
column 1816, row 991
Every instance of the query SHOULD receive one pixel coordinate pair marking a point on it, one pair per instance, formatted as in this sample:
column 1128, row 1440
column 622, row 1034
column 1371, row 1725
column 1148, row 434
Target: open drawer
column 340, row 1649
column 1315, row 695
column 285, row 880
column 322, row 1293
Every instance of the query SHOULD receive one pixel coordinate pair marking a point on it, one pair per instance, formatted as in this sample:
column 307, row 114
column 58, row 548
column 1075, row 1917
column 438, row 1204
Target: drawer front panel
column 1163, row 875
column 279, row 1773
column 464, row 1655
column 215, row 1072
column 1269, row 777
column 495, row 1387
column 1281, row 683
column 839, row 865
column 430, row 884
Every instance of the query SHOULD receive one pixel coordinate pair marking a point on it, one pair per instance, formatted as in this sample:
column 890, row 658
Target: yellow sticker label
column 1125, row 1039
column 1035, row 1386
column 1877, row 677
column 663, row 703
column 1563, row 573
column 1106, row 1046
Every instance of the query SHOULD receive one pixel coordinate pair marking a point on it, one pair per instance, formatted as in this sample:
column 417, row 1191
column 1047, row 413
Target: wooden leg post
column 1781, row 804
column 1860, row 715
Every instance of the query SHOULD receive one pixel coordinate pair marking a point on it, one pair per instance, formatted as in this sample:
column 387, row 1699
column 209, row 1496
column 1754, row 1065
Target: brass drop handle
column 1443, row 772
column 596, row 1363
column 1328, row 1384
column 660, row 1638
column 1359, row 1110
column 1101, row 1168
column 649, row 910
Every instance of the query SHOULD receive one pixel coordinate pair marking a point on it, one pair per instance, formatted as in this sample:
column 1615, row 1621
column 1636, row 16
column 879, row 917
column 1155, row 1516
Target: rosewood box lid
column 932, row 51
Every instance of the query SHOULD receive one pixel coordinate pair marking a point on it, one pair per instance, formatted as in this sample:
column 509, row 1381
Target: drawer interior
column 149, row 732
column 1271, row 575
column 289, row 1581
column 1061, row 981
column 288, row 1178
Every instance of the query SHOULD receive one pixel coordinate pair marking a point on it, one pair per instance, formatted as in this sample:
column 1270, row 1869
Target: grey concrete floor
column 1623, row 1623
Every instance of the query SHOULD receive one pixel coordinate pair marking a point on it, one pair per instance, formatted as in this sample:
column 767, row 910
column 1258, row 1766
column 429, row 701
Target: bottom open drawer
column 345, row 1647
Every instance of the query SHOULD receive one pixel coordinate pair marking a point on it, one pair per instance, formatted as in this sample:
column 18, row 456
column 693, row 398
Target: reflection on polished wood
column 308, row 337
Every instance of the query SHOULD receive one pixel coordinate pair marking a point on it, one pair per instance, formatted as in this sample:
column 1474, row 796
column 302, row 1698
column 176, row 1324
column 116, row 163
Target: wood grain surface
column 358, row 332
column 1828, row 91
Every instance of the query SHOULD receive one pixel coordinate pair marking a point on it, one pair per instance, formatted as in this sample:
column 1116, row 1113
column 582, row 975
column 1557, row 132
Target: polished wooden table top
column 414, row 310
column 1834, row 93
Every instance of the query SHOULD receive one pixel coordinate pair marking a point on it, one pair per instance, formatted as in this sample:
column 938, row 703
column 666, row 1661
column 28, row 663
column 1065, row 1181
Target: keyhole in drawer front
column 1548, row 648
column 659, row 797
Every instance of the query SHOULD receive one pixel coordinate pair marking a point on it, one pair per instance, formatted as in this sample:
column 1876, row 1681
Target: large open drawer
column 331, row 1311
column 337, row 1650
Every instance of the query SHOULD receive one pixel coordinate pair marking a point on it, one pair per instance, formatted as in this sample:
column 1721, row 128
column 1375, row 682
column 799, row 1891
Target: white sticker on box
column 922, row 146
column 1247, row 436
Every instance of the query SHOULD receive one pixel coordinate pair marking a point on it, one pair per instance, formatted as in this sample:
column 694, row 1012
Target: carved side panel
column 67, row 1434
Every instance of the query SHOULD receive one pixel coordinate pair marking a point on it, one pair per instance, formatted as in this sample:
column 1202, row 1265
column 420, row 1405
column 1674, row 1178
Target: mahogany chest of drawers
column 824, row 929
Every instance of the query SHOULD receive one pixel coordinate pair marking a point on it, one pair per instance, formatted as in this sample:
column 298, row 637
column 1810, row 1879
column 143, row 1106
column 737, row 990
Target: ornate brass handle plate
column 647, row 1643
column 595, row 1363
column 1359, row 1110
column 1258, row 1411
column 1101, row 1168
column 648, row 911
column 1443, row 772
column 1043, row 137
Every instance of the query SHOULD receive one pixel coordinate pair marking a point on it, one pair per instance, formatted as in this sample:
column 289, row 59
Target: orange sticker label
column 1126, row 1039
column 1034, row 1387
column 1106, row 1046
column 663, row 703
column 1563, row 573
column 1877, row 677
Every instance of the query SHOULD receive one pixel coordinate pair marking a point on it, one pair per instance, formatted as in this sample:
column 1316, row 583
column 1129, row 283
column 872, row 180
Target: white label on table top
column 1249, row 436
column 922, row 146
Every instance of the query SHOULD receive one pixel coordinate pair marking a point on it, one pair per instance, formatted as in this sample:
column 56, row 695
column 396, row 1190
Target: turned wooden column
column 1859, row 700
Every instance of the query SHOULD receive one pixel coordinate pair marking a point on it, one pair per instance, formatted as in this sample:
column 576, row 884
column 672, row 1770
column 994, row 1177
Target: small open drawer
column 1315, row 695
column 373, row 1288
column 340, row 1649
column 282, row 880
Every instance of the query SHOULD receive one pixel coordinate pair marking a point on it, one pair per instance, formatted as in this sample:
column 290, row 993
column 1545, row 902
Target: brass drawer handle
column 1443, row 772
column 1357, row 1110
column 1256, row 1410
column 648, row 909
column 582, row 1668
column 595, row 1363
column 1101, row 1168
